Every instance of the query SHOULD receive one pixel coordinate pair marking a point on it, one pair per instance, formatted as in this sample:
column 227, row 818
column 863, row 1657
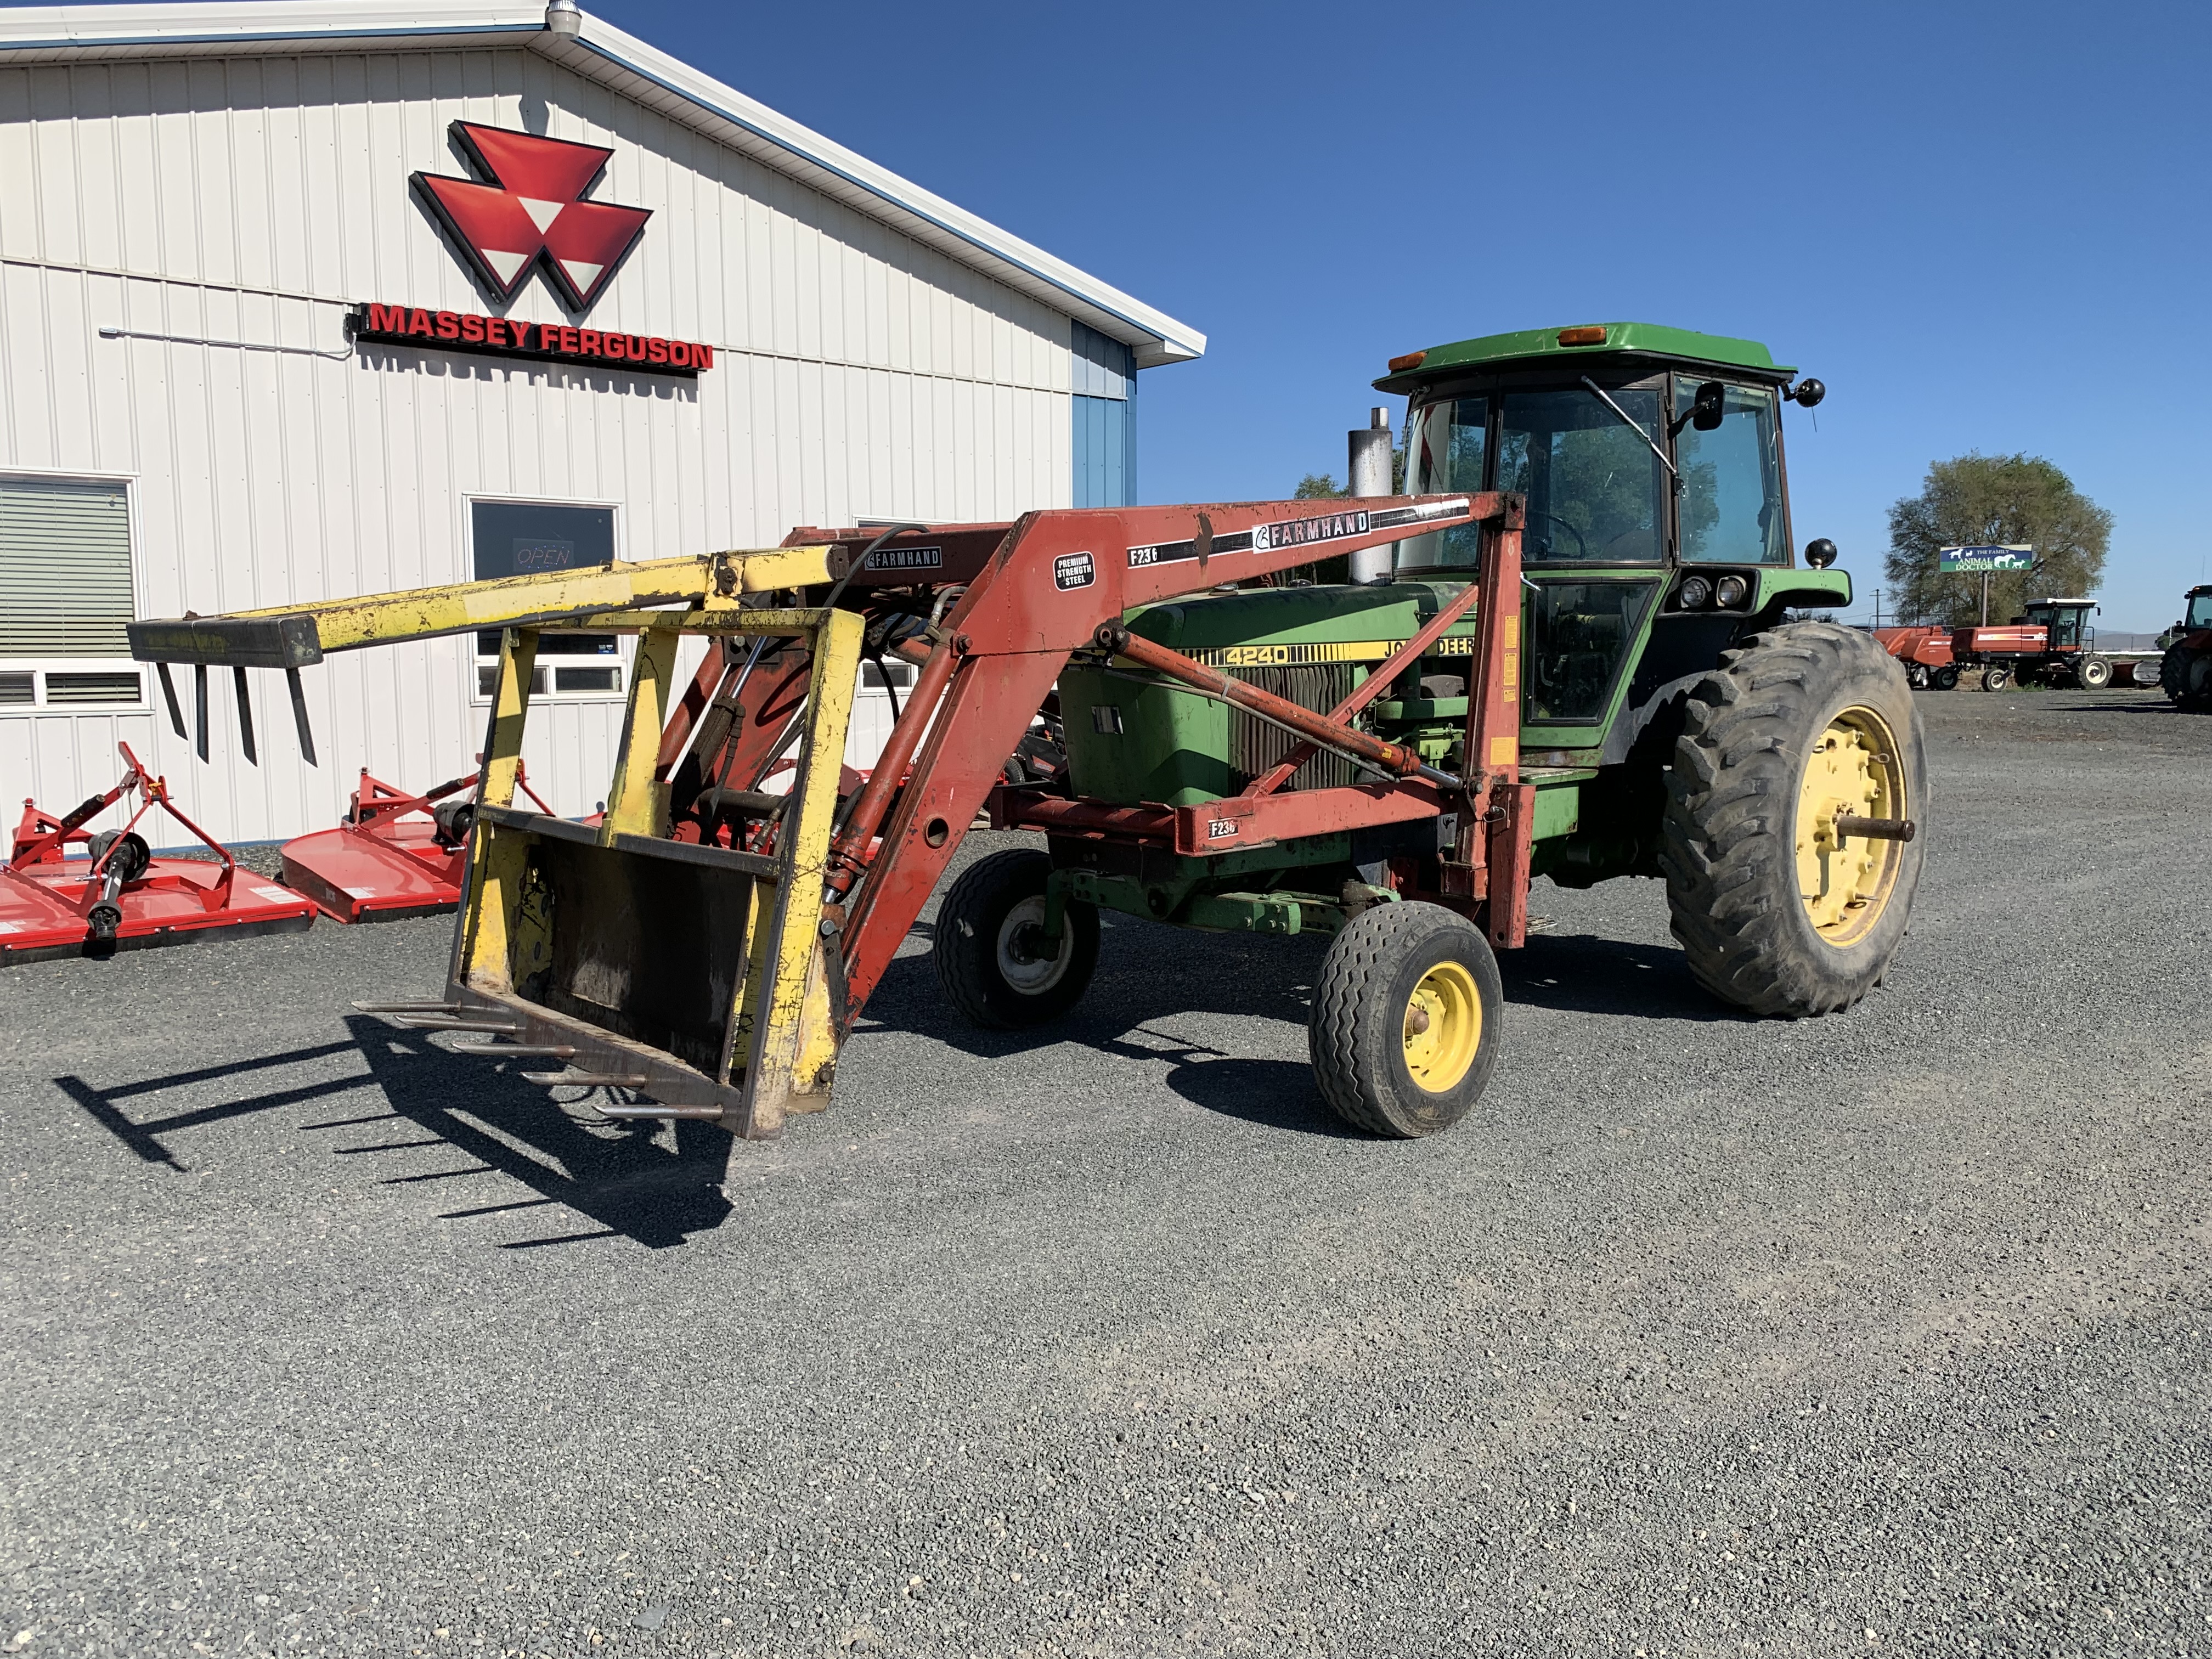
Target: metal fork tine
column 245, row 715
column 169, row 696
column 200, row 709
column 300, row 715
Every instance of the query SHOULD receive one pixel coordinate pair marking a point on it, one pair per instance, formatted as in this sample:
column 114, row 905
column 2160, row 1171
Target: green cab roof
column 1536, row 345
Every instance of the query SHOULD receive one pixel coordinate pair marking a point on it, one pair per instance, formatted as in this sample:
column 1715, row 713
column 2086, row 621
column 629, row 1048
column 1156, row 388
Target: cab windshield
column 1594, row 486
column 2200, row 612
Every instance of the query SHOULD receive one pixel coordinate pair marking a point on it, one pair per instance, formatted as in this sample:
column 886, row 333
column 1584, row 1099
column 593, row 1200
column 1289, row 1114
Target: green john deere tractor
column 1677, row 724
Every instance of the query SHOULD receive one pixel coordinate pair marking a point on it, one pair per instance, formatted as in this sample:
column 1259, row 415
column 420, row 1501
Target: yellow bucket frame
column 694, row 976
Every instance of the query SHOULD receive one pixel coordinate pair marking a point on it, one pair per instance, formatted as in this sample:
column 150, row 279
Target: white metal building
column 195, row 200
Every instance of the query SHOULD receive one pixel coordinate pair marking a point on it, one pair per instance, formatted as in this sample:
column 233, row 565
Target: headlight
column 1733, row 591
column 1694, row 594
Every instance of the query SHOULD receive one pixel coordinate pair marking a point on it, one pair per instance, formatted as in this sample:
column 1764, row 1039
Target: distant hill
column 2111, row 639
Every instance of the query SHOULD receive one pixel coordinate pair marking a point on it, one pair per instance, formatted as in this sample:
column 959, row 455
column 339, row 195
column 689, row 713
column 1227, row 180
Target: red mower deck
column 117, row 897
column 393, row 856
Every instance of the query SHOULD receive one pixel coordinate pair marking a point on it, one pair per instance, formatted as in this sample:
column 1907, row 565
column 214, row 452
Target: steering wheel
column 1581, row 547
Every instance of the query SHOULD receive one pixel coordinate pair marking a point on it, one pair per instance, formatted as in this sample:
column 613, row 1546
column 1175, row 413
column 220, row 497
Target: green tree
column 1992, row 501
column 1316, row 487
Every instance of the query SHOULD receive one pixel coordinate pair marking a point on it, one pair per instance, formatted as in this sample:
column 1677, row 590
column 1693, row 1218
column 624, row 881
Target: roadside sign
column 1950, row 559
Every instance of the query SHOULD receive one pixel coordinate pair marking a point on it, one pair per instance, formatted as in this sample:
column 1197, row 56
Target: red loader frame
column 1052, row 584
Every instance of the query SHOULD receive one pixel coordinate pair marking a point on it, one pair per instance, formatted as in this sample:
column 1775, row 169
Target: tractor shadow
column 1147, row 975
column 623, row 1180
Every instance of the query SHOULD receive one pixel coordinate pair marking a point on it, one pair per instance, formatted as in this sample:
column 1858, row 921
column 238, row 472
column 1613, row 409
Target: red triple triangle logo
column 534, row 206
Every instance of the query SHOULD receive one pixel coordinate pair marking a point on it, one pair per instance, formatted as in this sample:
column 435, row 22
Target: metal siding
column 258, row 197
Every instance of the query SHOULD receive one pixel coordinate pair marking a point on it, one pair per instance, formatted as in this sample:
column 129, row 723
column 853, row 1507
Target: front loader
column 1580, row 668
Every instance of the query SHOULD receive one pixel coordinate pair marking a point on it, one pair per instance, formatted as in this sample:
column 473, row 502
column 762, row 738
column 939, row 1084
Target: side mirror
column 1706, row 412
column 1821, row 553
column 1806, row 394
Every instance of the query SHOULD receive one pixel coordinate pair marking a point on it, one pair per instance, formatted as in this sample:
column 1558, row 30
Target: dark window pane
column 586, row 679
column 551, row 644
column 527, row 538
column 16, row 688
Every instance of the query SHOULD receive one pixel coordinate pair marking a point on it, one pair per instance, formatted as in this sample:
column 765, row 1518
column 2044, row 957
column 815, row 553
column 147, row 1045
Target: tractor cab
column 1658, row 516
column 2064, row 622
column 2198, row 616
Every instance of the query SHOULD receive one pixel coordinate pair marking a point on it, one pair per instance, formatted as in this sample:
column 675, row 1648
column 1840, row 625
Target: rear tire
column 988, row 956
column 1775, row 913
column 1946, row 678
column 2185, row 677
column 1406, row 1020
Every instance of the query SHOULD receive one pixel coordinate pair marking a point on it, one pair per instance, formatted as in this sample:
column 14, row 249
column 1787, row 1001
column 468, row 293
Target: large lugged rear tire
column 2185, row 675
column 1778, row 914
column 990, row 954
column 1406, row 1020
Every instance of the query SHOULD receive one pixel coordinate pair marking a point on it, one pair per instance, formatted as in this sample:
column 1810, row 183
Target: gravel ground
column 1880, row 1333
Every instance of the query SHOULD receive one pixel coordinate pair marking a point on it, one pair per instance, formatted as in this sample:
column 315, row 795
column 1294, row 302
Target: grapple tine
column 299, row 716
column 244, row 716
column 169, row 696
column 200, row 709
column 573, row 1078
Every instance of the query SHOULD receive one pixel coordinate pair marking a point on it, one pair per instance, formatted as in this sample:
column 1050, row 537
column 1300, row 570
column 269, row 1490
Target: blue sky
column 1983, row 227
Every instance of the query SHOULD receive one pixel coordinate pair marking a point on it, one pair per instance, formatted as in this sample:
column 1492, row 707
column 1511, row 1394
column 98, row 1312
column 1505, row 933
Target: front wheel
column 1405, row 1025
column 993, row 958
column 1997, row 678
column 2093, row 673
column 1946, row 678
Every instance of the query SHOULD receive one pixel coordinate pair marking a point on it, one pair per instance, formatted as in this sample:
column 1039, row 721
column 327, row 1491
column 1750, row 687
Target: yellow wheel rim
column 1845, row 881
column 1443, row 1027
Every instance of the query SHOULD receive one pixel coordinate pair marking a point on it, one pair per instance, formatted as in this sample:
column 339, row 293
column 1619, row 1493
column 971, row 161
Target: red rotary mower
column 394, row 855
column 119, row 896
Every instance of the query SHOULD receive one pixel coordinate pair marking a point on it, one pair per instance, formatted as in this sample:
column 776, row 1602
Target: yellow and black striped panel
column 1295, row 656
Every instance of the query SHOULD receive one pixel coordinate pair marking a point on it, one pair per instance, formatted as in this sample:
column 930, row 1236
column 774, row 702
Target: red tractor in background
column 2185, row 672
column 2052, row 644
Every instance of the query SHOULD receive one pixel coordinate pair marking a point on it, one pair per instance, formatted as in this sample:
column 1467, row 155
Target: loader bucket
column 690, row 974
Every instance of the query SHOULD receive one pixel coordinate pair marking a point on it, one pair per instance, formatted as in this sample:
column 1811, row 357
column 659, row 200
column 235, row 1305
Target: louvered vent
column 1254, row 745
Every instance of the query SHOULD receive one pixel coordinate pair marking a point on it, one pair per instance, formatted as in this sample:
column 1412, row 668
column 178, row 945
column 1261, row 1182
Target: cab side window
column 1730, row 511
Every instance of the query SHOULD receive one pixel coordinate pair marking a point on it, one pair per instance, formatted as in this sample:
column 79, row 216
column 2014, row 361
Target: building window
column 1103, row 374
column 65, row 595
column 525, row 538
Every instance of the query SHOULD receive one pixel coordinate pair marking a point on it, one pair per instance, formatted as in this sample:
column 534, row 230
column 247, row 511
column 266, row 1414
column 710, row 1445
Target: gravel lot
column 1882, row 1333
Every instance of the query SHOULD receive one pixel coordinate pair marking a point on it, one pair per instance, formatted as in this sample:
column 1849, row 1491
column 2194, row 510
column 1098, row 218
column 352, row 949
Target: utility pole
column 1986, row 598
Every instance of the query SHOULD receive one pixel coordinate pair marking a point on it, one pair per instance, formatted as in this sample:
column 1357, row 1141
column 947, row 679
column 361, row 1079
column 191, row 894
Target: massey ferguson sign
column 533, row 208
column 530, row 214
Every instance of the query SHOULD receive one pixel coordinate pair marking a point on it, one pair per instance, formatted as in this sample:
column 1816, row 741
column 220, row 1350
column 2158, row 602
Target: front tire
column 1997, row 679
column 1776, row 912
column 1406, row 1020
column 1946, row 678
column 990, row 954
column 2093, row 673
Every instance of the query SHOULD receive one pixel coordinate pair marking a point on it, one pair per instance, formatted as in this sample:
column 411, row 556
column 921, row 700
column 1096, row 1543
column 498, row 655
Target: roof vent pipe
column 562, row 17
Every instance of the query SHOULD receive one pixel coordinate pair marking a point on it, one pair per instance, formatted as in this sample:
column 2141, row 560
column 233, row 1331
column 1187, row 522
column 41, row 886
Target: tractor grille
column 1254, row 745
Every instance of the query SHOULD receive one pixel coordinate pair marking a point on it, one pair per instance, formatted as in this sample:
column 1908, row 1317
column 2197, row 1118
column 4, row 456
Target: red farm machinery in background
column 394, row 855
column 2051, row 643
column 67, row 892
